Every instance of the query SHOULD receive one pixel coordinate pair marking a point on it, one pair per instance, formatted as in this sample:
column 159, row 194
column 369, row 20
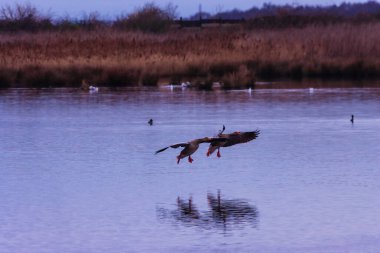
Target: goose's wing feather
column 173, row 146
column 249, row 136
column 233, row 138
column 236, row 138
column 179, row 145
column 163, row 149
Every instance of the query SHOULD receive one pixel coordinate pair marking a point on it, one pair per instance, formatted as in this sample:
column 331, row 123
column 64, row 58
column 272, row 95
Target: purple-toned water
column 78, row 171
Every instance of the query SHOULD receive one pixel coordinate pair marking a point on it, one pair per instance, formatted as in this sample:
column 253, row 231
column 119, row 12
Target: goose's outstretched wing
column 249, row 136
column 241, row 137
column 172, row 146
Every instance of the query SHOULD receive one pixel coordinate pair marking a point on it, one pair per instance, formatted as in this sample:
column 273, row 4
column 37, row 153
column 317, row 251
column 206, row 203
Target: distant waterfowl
column 352, row 119
column 150, row 122
column 191, row 146
column 86, row 87
column 182, row 86
column 93, row 89
column 231, row 139
column 185, row 84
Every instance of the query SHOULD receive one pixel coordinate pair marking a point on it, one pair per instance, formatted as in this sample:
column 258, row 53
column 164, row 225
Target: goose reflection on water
column 234, row 211
column 226, row 214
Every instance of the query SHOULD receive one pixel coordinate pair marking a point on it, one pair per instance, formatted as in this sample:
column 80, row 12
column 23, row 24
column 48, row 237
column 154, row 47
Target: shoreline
column 310, row 85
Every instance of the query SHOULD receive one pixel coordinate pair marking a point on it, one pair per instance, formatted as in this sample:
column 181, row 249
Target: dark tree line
column 25, row 17
column 154, row 19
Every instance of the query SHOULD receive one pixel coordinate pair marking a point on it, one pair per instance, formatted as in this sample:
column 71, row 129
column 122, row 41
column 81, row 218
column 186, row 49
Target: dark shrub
column 41, row 77
column 149, row 79
column 175, row 79
column 222, row 69
column 5, row 79
column 240, row 79
column 23, row 17
column 204, row 84
column 296, row 72
column 194, row 70
column 118, row 77
column 268, row 71
column 150, row 18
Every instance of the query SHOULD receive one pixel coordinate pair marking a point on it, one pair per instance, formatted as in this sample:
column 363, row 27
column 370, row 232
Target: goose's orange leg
column 190, row 159
column 218, row 154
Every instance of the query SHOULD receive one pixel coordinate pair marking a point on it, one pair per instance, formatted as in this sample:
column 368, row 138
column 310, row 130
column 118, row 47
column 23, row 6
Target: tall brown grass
column 112, row 57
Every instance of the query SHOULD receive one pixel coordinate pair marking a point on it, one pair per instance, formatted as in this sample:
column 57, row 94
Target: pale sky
column 185, row 8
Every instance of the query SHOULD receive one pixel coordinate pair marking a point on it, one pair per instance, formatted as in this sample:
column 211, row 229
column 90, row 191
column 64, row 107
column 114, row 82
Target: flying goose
column 191, row 146
column 231, row 139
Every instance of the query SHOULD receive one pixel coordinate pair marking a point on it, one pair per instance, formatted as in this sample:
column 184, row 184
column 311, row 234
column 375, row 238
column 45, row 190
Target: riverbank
column 233, row 56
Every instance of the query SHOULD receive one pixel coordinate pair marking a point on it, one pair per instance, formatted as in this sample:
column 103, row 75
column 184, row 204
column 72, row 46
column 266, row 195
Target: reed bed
column 234, row 56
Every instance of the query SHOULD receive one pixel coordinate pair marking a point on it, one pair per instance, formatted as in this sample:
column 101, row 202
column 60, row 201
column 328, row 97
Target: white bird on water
column 185, row 84
column 86, row 87
column 93, row 89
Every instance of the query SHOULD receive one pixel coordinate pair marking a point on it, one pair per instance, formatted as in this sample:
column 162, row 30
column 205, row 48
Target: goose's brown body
column 190, row 147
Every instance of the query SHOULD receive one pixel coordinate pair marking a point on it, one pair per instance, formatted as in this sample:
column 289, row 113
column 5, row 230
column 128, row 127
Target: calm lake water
column 78, row 171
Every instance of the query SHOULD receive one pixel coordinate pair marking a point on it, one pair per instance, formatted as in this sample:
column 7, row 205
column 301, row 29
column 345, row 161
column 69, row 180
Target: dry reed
column 115, row 58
